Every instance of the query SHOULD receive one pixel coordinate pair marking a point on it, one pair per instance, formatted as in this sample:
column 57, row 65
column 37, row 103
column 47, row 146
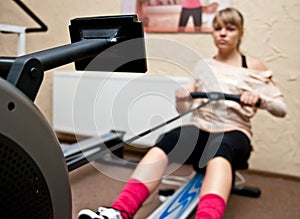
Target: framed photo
column 173, row 16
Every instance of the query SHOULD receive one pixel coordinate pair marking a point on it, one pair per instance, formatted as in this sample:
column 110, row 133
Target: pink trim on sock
column 211, row 206
column 131, row 197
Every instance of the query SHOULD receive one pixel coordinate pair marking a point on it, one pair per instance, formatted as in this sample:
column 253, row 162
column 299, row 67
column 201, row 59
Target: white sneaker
column 102, row 213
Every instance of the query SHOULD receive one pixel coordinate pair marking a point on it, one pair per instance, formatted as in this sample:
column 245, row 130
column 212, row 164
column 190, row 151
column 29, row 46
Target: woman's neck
column 232, row 58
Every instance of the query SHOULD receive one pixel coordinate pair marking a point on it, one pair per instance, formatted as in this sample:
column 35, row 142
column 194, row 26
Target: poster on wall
column 175, row 16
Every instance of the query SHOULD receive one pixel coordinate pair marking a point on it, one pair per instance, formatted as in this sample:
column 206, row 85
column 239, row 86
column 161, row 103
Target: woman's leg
column 145, row 178
column 151, row 168
column 183, row 19
column 197, row 18
column 218, row 178
column 215, row 189
column 147, row 175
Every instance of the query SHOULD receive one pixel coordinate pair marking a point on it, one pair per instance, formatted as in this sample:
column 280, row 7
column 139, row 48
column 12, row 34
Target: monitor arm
column 27, row 72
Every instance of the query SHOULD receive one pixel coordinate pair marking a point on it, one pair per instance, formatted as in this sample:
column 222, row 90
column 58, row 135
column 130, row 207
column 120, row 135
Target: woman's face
column 226, row 36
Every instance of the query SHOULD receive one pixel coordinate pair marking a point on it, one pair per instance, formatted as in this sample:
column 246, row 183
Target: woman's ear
column 241, row 34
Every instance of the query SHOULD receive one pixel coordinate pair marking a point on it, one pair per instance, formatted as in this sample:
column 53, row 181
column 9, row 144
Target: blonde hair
column 230, row 16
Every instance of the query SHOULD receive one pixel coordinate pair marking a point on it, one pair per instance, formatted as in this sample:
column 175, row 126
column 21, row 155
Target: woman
column 190, row 8
column 226, row 128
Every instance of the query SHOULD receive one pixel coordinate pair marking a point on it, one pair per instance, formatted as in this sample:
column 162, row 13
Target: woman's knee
column 155, row 154
column 219, row 163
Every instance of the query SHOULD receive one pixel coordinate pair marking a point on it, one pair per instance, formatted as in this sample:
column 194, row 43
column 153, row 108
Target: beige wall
column 272, row 35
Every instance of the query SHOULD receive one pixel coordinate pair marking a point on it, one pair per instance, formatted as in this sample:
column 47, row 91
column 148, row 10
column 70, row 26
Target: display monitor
column 125, row 51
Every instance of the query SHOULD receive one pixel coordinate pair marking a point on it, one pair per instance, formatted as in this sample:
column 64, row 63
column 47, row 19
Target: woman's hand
column 249, row 99
column 182, row 94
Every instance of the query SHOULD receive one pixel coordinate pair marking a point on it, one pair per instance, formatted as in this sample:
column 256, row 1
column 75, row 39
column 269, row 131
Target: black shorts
column 190, row 145
column 185, row 14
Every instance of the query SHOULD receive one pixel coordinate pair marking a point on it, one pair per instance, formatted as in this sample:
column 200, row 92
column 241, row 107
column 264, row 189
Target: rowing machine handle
column 219, row 96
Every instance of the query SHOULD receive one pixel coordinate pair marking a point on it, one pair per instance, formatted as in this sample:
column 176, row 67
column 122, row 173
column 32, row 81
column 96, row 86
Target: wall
column 272, row 35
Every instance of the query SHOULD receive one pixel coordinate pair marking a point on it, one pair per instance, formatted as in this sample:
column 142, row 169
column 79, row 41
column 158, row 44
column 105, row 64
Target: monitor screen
column 125, row 51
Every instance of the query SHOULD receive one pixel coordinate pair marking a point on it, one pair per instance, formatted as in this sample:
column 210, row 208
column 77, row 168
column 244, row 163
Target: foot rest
column 248, row 191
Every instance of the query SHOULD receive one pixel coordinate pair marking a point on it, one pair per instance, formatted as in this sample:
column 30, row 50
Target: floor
column 98, row 184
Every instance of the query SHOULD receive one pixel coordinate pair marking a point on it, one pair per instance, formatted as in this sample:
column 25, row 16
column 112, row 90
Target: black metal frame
column 43, row 27
column 27, row 72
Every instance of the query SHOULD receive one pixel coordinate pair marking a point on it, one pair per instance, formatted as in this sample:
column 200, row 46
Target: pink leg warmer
column 211, row 206
column 131, row 198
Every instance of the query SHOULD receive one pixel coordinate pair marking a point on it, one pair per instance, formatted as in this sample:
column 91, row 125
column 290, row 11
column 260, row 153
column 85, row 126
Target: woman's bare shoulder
column 255, row 64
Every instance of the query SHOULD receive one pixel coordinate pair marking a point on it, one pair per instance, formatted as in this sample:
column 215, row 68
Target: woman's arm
column 274, row 105
column 183, row 100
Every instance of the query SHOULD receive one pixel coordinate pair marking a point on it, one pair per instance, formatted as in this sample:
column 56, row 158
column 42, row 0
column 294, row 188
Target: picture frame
column 175, row 16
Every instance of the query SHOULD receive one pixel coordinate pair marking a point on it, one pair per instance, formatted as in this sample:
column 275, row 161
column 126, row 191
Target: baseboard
column 272, row 174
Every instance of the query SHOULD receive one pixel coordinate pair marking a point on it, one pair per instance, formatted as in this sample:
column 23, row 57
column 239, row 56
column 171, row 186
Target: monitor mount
column 90, row 37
